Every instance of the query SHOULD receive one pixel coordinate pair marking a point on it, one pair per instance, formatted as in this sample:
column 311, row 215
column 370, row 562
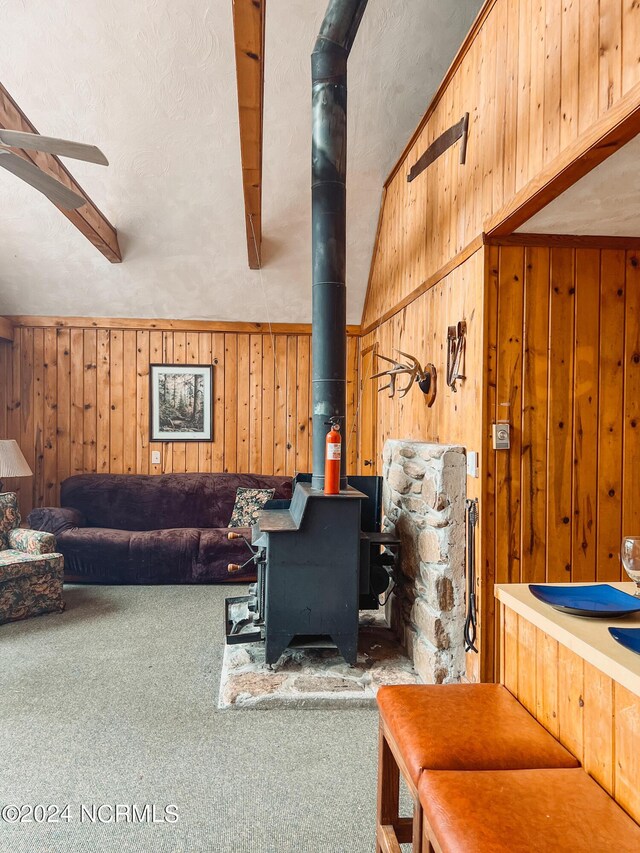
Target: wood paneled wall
column 534, row 76
column 77, row 400
column 563, row 363
column 421, row 330
column 564, row 369
column 596, row 718
column 455, row 417
column 554, row 349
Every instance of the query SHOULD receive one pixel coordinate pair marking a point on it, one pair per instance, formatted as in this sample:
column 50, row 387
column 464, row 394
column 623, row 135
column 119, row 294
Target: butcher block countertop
column 586, row 637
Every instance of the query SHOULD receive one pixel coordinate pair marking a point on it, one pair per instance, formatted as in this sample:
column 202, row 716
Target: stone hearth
column 316, row 678
column 424, row 503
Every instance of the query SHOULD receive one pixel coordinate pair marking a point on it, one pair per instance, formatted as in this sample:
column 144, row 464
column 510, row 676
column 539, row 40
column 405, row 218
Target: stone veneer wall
column 424, row 503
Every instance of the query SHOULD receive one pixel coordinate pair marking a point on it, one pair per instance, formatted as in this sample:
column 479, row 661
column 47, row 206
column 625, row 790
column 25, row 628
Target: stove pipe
column 328, row 216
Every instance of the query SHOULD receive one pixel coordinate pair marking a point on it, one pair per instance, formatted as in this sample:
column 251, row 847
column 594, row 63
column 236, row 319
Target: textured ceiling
column 153, row 83
column 604, row 202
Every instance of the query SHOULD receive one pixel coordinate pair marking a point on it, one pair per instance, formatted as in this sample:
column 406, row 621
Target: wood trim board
column 6, row 329
column 430, row 282
column 26, row 320
column 564, row 241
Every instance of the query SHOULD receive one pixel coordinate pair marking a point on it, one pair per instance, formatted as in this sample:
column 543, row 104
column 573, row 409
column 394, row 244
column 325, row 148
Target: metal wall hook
column 456, row 345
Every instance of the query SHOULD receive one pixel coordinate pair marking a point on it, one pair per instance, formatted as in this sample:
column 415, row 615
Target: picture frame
column 180, row 402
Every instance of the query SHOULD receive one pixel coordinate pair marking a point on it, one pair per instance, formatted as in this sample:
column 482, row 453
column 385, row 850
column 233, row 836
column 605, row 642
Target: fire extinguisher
column 332, row 458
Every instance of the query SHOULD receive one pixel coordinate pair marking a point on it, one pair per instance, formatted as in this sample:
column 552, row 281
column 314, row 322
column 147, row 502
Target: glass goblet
column 630, row 556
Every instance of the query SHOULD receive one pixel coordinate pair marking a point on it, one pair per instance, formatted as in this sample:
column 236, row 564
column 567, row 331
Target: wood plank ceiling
column 87, row 219
column 249, row 31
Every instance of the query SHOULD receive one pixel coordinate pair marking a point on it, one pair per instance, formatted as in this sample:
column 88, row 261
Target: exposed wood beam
column 248, row 31
column 87, row 219
column 6, row 329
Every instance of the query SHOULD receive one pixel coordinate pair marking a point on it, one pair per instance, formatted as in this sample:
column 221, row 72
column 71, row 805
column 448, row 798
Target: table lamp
column 12, row 462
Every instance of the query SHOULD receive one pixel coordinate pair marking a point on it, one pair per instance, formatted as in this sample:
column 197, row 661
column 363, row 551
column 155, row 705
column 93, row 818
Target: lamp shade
column 12, row 462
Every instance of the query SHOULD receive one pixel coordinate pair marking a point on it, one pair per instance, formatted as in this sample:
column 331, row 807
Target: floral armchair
column 30, row 570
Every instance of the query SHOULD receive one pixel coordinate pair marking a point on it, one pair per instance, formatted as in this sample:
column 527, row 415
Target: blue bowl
column 627, row 637
column 594, row 600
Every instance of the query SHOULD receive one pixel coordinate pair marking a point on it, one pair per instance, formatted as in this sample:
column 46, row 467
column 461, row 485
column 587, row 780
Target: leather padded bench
column 463, row 727
column 521, row 811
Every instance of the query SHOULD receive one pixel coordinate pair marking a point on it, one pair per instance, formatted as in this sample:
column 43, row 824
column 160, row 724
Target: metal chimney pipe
column 328, row 217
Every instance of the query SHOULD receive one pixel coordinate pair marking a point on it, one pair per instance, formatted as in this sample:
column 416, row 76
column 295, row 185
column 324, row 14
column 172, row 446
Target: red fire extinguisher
column 332, row 458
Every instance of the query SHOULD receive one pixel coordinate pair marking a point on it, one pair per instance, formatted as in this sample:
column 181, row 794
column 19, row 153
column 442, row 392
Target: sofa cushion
column 15, row 564
column 31, row 541
column 248, row 505
column 216, row 552
column 96, row 554
column 30, row 587
column 55, row 520
column 144, row 502
column 125, row 556
column 176, row 555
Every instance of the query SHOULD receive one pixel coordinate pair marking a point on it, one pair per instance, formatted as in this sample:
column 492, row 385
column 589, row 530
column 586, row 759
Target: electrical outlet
column 155, row 457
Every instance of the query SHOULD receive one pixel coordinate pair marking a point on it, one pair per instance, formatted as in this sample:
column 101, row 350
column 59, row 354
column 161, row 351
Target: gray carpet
column 114, row 702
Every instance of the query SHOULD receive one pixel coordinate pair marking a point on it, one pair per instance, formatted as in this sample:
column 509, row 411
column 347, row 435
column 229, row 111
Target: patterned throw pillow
column 248, row 504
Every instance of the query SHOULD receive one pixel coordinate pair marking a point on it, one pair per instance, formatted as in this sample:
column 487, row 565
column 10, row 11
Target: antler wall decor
column 426, row 377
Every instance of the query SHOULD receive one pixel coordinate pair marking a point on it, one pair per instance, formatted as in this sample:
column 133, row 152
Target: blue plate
column 595, row 600
column 627, row 637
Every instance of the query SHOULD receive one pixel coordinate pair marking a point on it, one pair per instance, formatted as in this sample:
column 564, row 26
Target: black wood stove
column 313, row 559
column 316, row 570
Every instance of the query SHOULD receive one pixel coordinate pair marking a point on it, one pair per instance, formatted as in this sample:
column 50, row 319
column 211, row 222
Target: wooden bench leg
column 427, row 847
column 417, row 827
column 387, row 812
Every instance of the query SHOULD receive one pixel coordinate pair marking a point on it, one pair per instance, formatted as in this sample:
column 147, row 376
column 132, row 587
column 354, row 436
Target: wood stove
column 316, row 570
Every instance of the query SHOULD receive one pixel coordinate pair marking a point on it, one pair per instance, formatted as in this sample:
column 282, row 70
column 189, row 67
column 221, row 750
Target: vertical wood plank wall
column 534, row 76
column 597, row 719
column 77, row 400
column 566, row 373
column 455, row 417
column 421, row 330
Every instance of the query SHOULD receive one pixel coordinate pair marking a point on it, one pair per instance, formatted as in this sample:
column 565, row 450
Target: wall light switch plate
column 155, row 457
column 472, row 463
column 501, row 434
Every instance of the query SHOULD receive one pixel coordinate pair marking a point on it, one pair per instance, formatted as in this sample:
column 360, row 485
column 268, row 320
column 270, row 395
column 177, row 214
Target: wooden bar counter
column 579, row 683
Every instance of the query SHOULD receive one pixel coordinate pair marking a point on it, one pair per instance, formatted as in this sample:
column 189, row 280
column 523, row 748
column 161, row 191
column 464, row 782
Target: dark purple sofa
column 138, row 529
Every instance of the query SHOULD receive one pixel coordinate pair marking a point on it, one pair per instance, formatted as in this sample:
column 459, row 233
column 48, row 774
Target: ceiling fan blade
column 50, row 145
column 54, row 190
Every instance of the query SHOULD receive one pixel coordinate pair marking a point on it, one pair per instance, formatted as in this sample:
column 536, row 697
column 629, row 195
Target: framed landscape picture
column 181, row 402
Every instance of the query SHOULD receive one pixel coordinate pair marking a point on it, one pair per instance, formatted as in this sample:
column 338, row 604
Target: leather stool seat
column 466, row 727
column 520, row 811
